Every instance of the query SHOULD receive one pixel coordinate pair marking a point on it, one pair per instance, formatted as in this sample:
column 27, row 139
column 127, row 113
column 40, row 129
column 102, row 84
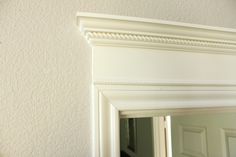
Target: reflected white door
column 212, row 135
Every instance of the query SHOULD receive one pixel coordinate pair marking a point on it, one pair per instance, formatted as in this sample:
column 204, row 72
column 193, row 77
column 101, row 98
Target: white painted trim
column 146, row 88
column 176, row 111
column 159, row 141
column 168, row 136
column 100, row 29
column 115, row 98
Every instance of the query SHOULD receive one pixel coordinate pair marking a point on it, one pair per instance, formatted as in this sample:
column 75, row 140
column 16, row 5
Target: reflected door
column 212, row 135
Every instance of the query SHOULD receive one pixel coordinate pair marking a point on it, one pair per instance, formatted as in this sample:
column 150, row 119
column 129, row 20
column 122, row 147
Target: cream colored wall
column 45, row 68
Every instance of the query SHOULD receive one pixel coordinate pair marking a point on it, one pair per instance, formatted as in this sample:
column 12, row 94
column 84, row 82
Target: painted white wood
column 168, row 136
column 133, row 65
column 147, row 33
column 114, row 98
column 115, row 126
column 176, row 111
column 159, row 141
column 142, row 64
column 95, row 122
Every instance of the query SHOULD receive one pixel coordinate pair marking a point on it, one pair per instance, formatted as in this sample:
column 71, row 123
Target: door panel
column 209, row 135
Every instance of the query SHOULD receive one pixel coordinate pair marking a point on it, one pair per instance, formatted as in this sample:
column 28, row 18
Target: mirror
column 193, row 135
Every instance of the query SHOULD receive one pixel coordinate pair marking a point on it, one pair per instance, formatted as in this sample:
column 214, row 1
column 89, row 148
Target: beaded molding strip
column 160, row 39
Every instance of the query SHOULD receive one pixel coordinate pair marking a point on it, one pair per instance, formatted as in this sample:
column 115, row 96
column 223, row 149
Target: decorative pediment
column 146, row 33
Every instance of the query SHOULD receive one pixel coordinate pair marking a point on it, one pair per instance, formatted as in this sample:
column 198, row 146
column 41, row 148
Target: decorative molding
column 161, row 42
column 176, row 112
column 166, row 82
column 146, row 33
column 116, row 101
column 201, row 131
column 138, row 69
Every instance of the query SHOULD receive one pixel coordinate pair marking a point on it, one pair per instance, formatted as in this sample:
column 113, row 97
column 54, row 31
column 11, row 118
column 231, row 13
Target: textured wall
column 45, row 68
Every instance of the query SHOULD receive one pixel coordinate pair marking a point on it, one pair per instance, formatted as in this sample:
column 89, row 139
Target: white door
column 209, row 135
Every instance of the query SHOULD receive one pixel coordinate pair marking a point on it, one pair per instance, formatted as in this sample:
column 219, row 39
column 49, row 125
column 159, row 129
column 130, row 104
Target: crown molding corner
column 110, row 30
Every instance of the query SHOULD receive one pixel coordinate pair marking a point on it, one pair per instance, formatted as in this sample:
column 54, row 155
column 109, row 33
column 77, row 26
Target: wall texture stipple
column 45, row 68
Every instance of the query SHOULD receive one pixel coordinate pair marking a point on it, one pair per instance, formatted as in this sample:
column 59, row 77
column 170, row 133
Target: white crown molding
column 122, row 31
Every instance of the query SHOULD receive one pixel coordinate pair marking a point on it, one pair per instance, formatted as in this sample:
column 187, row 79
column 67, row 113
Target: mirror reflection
column 196, row 135
column 136, row 138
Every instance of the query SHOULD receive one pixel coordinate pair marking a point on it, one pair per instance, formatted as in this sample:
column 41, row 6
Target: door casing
column 144, row 67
